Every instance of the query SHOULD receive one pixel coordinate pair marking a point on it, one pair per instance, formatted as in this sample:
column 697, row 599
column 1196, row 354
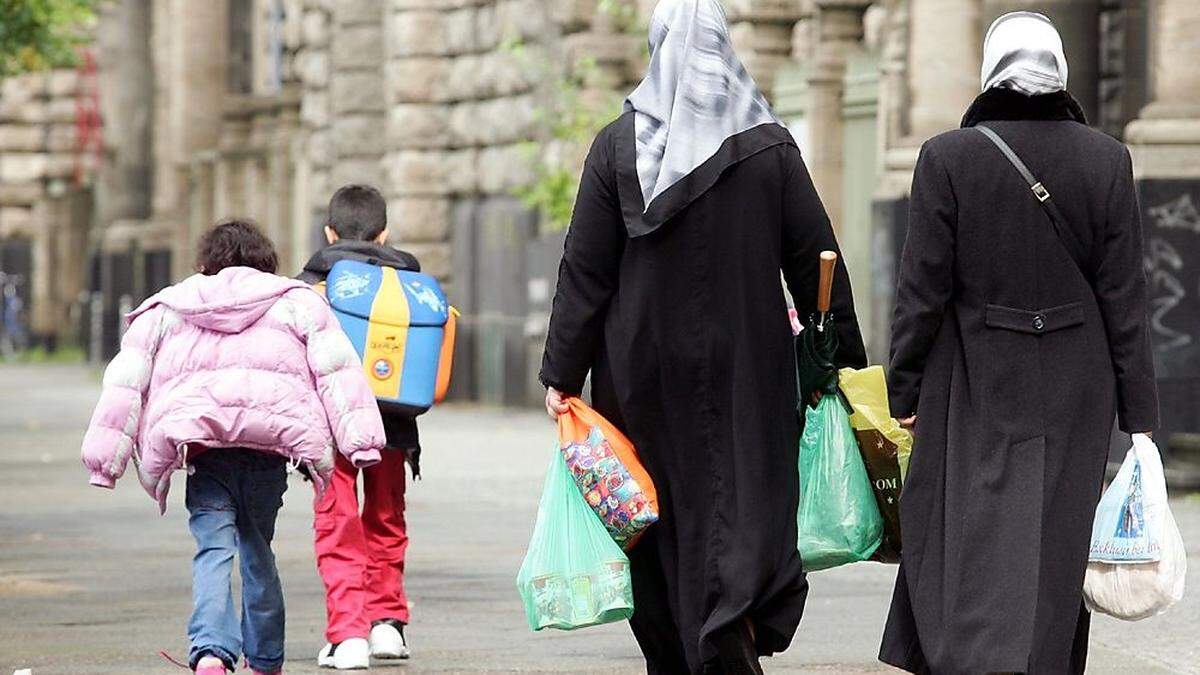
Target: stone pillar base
column 1165, row 144
column 1171, row 227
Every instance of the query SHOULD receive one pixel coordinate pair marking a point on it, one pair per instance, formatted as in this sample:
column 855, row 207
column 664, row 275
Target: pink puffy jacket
column 238, row 359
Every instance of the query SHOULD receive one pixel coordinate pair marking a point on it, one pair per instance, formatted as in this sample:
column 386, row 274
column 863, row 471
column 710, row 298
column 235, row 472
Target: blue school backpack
column 402, row 328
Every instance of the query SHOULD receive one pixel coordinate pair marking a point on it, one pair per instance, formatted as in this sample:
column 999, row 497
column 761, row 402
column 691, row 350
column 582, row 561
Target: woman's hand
column 909, row 423
column 556, row 403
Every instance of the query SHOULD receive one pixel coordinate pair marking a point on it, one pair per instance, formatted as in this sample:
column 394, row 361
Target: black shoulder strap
column 1065, row 235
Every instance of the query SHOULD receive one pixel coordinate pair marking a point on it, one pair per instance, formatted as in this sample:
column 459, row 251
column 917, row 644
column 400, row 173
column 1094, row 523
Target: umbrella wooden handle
column 825, row 287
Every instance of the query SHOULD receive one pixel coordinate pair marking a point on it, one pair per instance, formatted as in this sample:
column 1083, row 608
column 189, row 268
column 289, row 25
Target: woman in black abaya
column 690, row 205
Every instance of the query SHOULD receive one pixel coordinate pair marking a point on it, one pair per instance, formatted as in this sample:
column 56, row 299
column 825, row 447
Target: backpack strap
column 1065, row 235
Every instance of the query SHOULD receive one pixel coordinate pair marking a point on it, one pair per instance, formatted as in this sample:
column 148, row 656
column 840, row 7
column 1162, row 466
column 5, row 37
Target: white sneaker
column 352, row 654
column 387, row 640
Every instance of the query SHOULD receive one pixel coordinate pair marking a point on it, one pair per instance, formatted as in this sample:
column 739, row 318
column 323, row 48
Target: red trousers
column 361, row 558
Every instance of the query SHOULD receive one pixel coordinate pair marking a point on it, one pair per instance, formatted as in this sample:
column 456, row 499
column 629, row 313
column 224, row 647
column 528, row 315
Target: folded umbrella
column 816, row 372
column 837, row 521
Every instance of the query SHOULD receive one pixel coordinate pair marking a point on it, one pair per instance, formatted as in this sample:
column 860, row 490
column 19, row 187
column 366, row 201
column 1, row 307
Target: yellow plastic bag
column 885, row 447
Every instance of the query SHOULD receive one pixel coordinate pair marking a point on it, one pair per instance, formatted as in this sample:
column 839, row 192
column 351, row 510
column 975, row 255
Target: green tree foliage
column 41, row 34
column 623, row 13
column 569, row 119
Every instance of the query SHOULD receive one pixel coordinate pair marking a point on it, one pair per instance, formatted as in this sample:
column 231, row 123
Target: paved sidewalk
column 97, row 582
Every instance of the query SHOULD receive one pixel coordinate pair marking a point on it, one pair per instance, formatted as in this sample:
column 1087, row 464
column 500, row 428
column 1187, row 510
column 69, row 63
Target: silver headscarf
column 1024, row 52
column 696, row 94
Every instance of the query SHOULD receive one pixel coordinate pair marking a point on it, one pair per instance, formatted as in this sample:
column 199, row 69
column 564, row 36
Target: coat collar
column 1005, row 104
column 638, row 221
column 320, row 264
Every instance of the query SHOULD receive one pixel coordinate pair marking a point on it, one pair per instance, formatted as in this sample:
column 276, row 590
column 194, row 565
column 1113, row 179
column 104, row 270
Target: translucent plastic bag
column 885, row 449
column 574, row 574
column 838, row 520
column 1137, row 565
column 1130, row 515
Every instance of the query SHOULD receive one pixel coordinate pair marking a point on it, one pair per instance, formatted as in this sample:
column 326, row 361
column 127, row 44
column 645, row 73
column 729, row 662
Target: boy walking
column 361, row 558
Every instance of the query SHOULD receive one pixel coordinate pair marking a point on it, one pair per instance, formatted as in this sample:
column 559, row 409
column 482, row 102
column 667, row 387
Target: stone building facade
column 47, row 173
column 263, row 107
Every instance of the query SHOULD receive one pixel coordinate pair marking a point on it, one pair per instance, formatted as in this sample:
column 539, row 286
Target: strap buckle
column 1041, row 192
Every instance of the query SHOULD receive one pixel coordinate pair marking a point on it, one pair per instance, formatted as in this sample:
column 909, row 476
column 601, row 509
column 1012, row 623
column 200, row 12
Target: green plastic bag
column 574, row 574
column 838, row 520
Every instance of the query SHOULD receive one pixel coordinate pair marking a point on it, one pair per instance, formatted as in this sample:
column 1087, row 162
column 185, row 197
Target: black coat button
column 1039, row 323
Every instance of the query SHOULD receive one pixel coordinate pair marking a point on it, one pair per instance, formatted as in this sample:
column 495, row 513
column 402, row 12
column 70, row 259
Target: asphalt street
column 93, row 581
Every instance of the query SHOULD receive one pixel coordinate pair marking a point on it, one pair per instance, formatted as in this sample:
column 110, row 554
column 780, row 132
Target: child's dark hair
column 235, row 243
column 357, row 212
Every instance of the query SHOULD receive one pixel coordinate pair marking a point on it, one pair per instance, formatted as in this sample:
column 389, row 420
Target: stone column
column 356, row 85
column 260, row 191
column 189, row 45
column 433, row 124
column 839, row 33
column 41, row 286
column 1165, row 142
column 1166, row 137
column 281, row 168
column 1124, row 46
column 124, row 182
column 763, row 32
column 945, row 51
column 229, row 175
column 126, row 79
column 189, row 48
column 202, row 193
column 932, row 57
column 804, row 32
column 314, row 155
column 74, row 276
column 893, row 71
column 932, row 53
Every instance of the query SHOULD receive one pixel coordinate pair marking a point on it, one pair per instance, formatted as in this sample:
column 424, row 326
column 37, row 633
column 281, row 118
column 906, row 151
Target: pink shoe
column 211, row 665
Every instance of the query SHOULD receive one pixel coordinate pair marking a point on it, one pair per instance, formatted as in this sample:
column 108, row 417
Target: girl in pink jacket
column 233, row 373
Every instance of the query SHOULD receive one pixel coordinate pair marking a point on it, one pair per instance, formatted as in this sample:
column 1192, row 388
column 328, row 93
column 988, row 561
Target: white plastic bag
column 1137, row 565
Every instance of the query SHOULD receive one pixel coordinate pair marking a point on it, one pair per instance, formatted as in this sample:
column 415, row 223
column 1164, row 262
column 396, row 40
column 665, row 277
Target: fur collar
column 1006, row 104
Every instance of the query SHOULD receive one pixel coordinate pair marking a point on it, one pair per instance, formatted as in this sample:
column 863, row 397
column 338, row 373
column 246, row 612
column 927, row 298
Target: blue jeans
column 233, row 497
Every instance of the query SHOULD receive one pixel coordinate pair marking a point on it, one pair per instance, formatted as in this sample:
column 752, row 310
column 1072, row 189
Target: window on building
column 240, row 69
column 273, row 77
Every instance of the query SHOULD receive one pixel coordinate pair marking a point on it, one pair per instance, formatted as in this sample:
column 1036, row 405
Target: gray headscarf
column 696, row 94
column 1024, row 52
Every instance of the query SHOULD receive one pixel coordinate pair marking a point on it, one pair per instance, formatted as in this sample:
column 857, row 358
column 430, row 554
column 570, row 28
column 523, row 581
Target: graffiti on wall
column 1171, row 242
column 1163, row 264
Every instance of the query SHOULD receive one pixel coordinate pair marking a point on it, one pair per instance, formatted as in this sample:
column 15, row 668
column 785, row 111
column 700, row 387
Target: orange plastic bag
column 606, row 469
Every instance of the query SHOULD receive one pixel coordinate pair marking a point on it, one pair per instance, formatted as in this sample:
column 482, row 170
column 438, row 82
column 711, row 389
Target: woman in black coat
column 1012, row 359
column 669, row 293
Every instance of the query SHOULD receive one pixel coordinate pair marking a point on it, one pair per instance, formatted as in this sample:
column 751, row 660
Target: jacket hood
column 995, row 105
column 226, row 302
column 317, row 267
